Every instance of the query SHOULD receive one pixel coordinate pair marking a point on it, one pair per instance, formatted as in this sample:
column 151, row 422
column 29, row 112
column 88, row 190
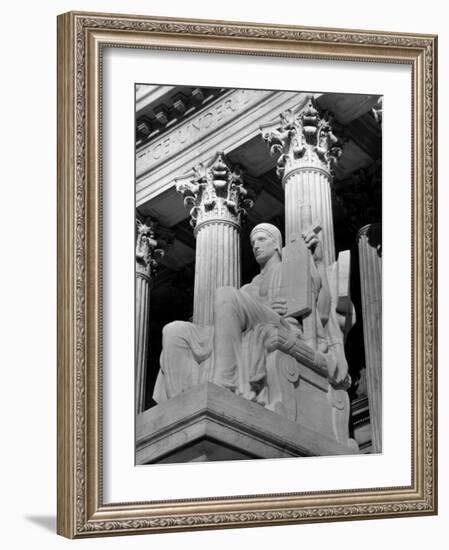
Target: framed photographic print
column 247, row 274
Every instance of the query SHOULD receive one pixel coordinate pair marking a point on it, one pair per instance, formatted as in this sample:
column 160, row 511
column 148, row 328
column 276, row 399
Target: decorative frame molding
column 81, row 37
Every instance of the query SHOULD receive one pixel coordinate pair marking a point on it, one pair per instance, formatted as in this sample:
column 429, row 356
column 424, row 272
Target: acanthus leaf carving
column 215, row 192
column 147, row 251
column 305, row 137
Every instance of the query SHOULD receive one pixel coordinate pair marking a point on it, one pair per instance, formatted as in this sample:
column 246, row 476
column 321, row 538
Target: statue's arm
column 322, row 283
column 324, row 295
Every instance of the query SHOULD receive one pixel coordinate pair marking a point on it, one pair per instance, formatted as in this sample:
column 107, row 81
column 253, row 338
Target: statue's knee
column 224, row 296
column 173, row 331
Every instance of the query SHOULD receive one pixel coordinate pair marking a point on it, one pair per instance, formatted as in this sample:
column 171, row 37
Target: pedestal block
column 211, row 423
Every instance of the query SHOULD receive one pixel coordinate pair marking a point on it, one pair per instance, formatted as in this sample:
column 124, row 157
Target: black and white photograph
column 258, row 273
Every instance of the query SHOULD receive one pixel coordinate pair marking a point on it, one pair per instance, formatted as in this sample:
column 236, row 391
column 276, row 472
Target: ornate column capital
column 303, row 138
column 215, row 192
column 147, row 252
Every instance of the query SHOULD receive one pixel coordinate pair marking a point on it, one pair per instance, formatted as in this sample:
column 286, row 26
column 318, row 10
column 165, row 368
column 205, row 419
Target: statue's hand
column 314, row 245
column 279, row 306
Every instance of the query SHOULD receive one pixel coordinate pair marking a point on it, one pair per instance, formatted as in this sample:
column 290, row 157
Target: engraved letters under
column 181, row 137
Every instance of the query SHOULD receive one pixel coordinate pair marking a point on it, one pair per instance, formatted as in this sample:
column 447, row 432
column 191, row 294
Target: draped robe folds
column 231, row 353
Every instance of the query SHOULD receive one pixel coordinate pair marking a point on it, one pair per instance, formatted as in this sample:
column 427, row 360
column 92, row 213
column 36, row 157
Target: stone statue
column 279, row 340
column 248, row 324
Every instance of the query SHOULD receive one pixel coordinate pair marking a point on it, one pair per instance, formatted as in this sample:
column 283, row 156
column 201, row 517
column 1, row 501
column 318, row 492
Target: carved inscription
column 181, row 137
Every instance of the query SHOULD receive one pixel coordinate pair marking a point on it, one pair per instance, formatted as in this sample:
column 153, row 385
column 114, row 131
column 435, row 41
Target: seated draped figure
column 251, row 323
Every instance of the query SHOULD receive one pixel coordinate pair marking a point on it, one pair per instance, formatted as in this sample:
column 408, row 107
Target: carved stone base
column 211, row 423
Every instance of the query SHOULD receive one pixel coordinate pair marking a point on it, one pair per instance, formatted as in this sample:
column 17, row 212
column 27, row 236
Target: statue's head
column 266, row 240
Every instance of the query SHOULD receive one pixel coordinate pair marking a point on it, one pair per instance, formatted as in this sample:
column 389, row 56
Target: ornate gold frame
column 81, row 511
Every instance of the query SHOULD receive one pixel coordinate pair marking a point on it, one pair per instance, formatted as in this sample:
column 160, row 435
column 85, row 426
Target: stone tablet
column 296, row 278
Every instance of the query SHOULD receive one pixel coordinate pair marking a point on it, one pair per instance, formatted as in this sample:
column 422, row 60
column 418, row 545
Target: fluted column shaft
column 217, row 264
column 310, row 186
column 146, row 252
column 218, row 200
column 307, row 152
column 369, row 244
column 142, row 320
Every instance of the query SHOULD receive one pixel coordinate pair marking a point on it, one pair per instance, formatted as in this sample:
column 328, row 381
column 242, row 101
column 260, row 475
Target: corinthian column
column 369, row 242
column 218, row 200
column 308, row 152
column 146, row 255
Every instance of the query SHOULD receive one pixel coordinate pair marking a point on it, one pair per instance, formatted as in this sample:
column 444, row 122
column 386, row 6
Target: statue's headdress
column 272, row 231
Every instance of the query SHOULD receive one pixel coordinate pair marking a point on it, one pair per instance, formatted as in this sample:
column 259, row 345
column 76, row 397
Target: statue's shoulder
column 253, row 286
column 255, row 280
